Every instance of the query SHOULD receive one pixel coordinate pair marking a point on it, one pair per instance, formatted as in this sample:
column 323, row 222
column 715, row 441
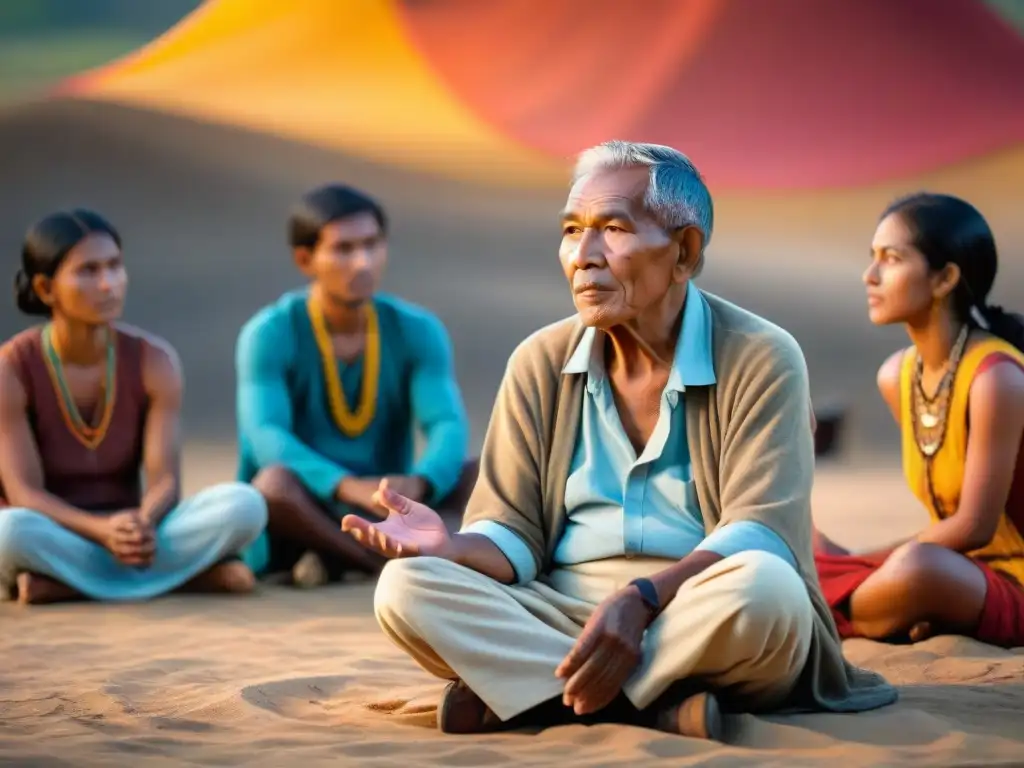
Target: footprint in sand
column 310, row 699
column 343, row 700
column 174, row 695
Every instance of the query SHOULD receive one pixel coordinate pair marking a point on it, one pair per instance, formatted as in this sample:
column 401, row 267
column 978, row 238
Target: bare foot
column 34, row 589
column 310, row 572
column 921, row 631
column 232, row 577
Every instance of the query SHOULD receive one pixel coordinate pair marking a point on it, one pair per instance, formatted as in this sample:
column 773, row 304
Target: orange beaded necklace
column 87, row 434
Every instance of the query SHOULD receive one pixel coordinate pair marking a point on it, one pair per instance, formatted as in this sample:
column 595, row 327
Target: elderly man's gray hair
column 676, row 195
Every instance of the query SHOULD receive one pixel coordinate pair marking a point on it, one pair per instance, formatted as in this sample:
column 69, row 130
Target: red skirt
column 1002, row 617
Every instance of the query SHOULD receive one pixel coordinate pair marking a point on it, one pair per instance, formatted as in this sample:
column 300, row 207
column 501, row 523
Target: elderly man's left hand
column 605, row 654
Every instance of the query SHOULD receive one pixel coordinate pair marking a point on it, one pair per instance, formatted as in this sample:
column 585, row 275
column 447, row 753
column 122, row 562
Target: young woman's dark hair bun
column 46, row 245
column 25, row 296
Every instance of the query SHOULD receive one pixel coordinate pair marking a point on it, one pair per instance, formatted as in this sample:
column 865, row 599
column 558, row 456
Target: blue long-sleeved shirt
column 618, row 503
column 283, row 412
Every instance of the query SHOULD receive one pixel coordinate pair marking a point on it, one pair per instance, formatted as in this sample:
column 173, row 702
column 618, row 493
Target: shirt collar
column 693, row 361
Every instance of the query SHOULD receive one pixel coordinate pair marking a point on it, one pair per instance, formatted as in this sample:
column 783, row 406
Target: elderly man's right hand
column 410, row 529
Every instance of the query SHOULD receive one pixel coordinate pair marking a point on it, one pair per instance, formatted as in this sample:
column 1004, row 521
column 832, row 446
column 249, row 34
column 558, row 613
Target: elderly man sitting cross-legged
column 638, row 544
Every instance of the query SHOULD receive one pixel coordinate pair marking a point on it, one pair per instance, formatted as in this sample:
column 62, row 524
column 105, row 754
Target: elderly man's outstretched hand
column 410, row 529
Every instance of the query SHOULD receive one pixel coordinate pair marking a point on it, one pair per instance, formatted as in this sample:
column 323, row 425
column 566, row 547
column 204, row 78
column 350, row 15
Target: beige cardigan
column 751, row 449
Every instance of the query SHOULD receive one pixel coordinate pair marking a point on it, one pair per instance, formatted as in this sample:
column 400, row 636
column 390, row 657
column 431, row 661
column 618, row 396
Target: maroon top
column 105, row 478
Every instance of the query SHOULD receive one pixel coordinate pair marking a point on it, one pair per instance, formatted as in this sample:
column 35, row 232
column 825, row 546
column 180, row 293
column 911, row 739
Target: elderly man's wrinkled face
column 619, row 261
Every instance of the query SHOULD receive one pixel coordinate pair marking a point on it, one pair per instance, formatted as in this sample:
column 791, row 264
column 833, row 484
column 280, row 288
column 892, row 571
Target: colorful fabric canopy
column 788, row 94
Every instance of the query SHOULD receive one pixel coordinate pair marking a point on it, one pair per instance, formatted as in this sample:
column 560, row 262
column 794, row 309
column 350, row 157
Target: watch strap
column 648, row 594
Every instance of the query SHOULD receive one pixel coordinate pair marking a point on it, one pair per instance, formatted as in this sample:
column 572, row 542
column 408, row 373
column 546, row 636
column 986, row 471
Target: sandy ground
column 287, row 677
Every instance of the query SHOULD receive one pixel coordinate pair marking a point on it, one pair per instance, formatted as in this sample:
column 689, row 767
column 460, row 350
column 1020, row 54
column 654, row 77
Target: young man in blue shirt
column 333, row 381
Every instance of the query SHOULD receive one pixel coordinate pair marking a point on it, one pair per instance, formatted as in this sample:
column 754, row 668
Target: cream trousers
column 743, row 626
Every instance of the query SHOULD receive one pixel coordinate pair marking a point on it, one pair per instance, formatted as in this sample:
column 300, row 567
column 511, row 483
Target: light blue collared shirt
column 620, row 504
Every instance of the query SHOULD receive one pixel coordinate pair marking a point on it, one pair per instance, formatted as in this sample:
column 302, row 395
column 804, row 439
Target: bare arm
column 996, row 412
column 161, row 448
column 669, row 581
column 21, row 467
column 482, row 555
column 889, row 382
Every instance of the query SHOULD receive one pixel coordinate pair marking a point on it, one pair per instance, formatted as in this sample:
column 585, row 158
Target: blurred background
column 194, row 125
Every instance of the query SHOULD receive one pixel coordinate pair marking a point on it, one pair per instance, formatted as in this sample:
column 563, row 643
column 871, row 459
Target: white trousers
column 743, row 626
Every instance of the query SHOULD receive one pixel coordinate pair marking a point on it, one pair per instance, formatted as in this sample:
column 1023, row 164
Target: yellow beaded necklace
column 351, row 424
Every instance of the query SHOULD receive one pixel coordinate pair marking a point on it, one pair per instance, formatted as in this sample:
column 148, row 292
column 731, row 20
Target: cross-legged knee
column 772, row 599
column 17, row 529
column 402, row 584
column 278, row 484
column 246, row 508
column 919, row 583
column 912, row 572
column 914, row 559
column 757, row 624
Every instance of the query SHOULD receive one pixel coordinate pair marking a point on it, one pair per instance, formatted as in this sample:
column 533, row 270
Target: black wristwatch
column 648, row 594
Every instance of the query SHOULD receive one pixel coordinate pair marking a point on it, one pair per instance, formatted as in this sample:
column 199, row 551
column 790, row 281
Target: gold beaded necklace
column 929, row 415
column 351, row 424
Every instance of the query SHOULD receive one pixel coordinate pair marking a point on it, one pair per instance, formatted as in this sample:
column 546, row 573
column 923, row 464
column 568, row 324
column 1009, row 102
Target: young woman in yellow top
column 958, row 396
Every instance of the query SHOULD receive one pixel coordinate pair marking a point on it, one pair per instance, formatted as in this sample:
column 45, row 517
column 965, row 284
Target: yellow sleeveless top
column 1005, row 553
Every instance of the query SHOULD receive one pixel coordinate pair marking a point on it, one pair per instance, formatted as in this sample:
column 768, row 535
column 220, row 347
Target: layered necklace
column 930, row 413
column 89, row 435
column 352, row 424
